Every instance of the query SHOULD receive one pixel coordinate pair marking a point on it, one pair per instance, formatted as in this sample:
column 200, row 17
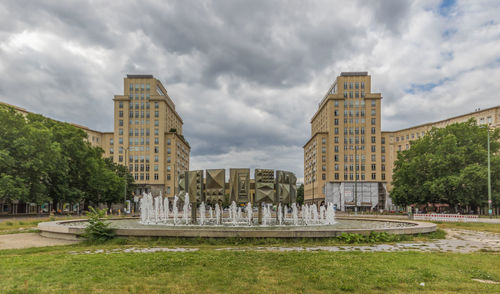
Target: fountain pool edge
column 57, row 230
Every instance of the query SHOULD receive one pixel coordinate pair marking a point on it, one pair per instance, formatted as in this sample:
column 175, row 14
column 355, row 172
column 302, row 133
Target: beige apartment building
column 147, row 135
column 348, row 160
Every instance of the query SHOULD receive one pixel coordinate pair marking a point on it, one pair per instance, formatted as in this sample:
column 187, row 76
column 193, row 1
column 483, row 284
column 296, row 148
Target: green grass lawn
column 485, row 227
column 55, row 270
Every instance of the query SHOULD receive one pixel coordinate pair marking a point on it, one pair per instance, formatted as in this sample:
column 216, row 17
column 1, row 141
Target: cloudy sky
column 246, row 76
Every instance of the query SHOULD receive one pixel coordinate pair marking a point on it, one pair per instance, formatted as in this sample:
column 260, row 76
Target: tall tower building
column 148, row 135
column 346, row 151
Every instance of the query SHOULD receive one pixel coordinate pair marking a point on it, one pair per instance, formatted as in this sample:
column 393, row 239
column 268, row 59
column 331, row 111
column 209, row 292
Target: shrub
column 97, row 230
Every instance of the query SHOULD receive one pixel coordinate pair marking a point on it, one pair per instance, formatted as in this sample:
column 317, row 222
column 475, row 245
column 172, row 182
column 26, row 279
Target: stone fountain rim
column 56, row 229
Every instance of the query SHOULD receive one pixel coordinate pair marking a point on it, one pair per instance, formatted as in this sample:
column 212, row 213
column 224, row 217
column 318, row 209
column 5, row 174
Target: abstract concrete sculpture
column 239, row 185
column 264, row 186
column 215, row 185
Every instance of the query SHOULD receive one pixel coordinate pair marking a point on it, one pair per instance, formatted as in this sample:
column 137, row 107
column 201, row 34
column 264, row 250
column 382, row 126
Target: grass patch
column 483, row 227
column 50, row 270
column 374, row 238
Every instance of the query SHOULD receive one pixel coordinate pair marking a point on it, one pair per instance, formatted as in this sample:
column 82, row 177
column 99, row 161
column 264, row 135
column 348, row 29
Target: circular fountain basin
column 72, row 229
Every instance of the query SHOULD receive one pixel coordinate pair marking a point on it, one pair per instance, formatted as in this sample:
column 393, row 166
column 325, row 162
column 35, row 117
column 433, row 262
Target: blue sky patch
column 445, row 7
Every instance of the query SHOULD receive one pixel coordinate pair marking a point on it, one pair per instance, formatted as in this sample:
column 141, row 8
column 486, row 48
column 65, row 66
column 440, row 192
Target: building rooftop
column 353, row 73
column 139, row 76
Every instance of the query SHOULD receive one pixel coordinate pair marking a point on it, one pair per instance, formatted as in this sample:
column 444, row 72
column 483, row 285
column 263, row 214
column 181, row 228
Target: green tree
column 448, row 165
column 300, row 194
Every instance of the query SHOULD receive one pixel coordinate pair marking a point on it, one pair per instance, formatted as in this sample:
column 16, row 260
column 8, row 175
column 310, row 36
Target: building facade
column 349, row 159
column 147, row 136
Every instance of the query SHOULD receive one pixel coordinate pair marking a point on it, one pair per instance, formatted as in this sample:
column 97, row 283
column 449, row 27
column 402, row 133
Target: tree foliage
column 448, row 165
column 46, row 160
column 300, row 194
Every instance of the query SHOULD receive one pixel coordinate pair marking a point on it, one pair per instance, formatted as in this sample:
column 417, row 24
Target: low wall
column 58, row 230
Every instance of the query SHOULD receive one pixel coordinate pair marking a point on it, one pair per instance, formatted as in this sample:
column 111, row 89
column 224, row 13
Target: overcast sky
column 246, row 76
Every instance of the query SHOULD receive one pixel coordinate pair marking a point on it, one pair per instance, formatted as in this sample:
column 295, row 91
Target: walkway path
column 461, row 241
column 27, row 240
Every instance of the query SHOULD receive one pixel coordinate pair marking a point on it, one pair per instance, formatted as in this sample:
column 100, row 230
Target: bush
column 97, row 230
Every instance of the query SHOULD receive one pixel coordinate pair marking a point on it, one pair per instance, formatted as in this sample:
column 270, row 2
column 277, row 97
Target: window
column 373, row 148
column 156, row 132
column 323, row 167
column 336, row 176
column 323, row 176
column 357, row 85
column 323, row 158
column 156, row 167
column 120, row 122
column 383, row 149
column 156, row 158
column 362, row 85
column 336, row 139
column 156, row 105
column 336, row 130
column 131, row 87
column 169, row 150
column 323, row 140
column 157, row 141
column 336, row 158
column 157, row 123
column 373, row 157
column 374, row 103
column 383, row 176
column 345, row 95
column 374, row 131
column 336, row 148
column 120, row 140
column 374, row 176
column 373, row 139
column 147, row 177
column 373, row 112
column 156, row 177
column 351, row 85
column 374, row 167
column 169, row 141
column 374, row 121
column 157, row 149
column 345, row 85
column 168, row 177
column 323, row 149
column 120, row 105
column 336, row 122
column 157, row 114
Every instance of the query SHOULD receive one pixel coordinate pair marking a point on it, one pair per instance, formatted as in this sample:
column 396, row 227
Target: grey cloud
column 246, row 76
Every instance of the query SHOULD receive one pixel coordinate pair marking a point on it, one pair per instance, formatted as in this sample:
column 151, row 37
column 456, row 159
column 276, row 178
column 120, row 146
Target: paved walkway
column 27, row 240
column 461, row 241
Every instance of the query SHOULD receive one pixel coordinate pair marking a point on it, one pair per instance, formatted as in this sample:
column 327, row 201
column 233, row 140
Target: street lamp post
column 125, row 187
column 355, row 180
column 489, row 175
column 490, row 211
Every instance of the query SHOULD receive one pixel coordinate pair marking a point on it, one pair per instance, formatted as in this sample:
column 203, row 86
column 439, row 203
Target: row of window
column 351, row 176
column 142, row 105
column 408, row 136
column 139, row 122
column 143, row 177
column 358, row 166
column 139, row 87
column 373, row 131
column 352, row 94
column 142, row 114
column 353, row 85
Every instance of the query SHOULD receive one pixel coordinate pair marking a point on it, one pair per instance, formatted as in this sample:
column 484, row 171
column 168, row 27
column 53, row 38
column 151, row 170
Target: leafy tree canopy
column 448, row 165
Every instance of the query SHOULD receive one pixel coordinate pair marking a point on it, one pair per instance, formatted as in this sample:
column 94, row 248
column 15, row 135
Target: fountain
column 270, row 211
